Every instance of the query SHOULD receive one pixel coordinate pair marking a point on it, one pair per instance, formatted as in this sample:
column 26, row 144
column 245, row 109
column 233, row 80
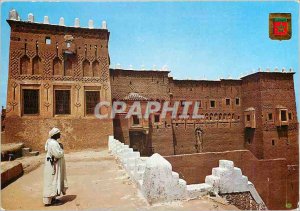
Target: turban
column 53, row 132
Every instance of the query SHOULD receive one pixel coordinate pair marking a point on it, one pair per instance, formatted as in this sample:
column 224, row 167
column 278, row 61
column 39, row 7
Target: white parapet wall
column 158, row 183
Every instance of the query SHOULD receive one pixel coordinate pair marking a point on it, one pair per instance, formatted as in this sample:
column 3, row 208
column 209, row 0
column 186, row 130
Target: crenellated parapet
column 158, row 183
column 14, row 16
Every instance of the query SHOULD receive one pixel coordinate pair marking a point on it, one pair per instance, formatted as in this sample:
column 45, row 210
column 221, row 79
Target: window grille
column 30, row 101
column 62, row 102
column 92, row 98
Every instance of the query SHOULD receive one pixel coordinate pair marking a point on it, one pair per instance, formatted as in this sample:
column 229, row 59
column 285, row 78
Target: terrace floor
column 95, row 181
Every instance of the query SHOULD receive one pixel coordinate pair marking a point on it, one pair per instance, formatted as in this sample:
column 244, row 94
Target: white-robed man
column 55, row 180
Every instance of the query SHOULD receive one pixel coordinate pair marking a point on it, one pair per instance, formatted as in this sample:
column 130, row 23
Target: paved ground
column 95, row 181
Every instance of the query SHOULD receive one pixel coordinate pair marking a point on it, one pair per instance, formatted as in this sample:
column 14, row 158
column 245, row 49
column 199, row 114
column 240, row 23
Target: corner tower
column 270, row 115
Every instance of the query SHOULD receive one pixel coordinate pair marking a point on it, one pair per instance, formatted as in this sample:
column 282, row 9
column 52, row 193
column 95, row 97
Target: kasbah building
column 58, row 73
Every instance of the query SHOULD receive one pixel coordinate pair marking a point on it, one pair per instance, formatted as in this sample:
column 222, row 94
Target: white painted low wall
column 158, row 183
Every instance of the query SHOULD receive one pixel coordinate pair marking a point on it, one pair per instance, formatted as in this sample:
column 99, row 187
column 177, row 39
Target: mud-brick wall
column 162, row 140
column 121, row 128
column 217, row 136
column 150, row 84
column 277, row 90
column 266, row 92
column 76, row 133
column 270, row 177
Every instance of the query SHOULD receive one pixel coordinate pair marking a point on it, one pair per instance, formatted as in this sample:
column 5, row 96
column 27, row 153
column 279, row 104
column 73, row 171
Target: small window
column 200, row 103
column 273, row 142
column 156, row 118
column 136, row 120
column 48, row 41
column 237, row 101
column 182, row 103
column 68, row 44
column 270, row 116
column 227, row 101
column 62, row 102
column 30, row 101
column 91, row 100
column 290, row 116
column 248, row 117
column 212, row 103
column 283, row 115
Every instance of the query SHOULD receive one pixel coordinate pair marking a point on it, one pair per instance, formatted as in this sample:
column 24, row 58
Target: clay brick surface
column 271, row 177
column 10, row 171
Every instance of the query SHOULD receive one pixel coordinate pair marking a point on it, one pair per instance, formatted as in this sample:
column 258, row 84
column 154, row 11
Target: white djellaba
column 55, row 179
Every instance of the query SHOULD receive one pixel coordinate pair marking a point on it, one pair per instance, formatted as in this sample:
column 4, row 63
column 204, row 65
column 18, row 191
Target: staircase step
column 34, row 153
column 25, row 151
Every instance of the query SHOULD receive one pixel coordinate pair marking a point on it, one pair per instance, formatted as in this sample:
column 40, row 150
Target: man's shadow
column 67, row 198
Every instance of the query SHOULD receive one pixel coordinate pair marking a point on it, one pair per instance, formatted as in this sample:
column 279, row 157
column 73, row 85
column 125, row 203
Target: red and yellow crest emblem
column 280, row 27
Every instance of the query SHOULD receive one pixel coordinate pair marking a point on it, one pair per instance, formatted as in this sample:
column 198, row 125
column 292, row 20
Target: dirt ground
column 95, row 181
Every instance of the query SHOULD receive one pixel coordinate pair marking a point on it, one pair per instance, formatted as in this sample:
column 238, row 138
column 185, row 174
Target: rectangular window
column 30, row 101
column 270, row 116
column 92, row 98
column 248, row 118
column 290, row 116
column 62, row 102
column 212, row 103
column 237, row 101
column 182, row 103
column 48, row 40
column 156, row 118
column 227, row 101
column 283, row 115
column 136, row 120
column 200, row 103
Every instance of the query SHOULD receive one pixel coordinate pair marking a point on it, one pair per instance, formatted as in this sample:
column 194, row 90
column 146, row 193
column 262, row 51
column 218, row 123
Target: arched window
column 96, row 69
column 57, row 70
column 206, row 116
column 211, row 117
column 67, row 65
column 36, row 66
column 202, row 116
column 216, row 116
column 86, row 69
column 224, row 116
column 220, row 116
column 24, row 64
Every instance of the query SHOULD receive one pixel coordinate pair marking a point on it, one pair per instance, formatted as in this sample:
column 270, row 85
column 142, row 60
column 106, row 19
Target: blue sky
column 194, row 39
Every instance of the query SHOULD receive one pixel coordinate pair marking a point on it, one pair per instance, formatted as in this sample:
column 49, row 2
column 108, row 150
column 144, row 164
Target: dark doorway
column 249, row 135
column 139, row 142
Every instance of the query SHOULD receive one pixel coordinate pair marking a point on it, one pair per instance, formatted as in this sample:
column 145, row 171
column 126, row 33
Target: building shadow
column 67, row 198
